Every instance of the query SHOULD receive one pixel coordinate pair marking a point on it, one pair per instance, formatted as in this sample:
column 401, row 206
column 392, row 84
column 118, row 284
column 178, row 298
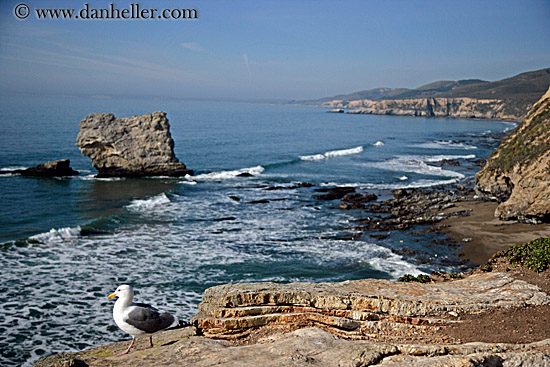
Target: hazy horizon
column 249, row 50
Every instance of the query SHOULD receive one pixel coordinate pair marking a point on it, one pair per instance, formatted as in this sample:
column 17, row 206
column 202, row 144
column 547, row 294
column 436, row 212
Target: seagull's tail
column 181, row 324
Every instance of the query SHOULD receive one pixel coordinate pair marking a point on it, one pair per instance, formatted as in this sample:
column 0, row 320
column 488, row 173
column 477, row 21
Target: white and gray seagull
column 137, row 319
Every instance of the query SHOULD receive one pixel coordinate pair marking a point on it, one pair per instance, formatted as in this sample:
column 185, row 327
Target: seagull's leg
column 151, row 341
column 130, row 347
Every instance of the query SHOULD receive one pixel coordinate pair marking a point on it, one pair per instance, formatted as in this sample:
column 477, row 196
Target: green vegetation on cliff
column 523, row 147
column 534, row 255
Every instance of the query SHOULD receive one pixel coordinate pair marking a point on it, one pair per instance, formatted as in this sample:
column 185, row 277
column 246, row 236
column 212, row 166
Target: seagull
column 137, row 319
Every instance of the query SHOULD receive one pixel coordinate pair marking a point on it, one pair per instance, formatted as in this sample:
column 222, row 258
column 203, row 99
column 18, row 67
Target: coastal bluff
column 353, row 323
column 136, row 146
column 490, row 109
column 517, row 174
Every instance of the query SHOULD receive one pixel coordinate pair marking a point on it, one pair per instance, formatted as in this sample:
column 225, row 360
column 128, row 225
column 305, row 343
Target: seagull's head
column 123, row 291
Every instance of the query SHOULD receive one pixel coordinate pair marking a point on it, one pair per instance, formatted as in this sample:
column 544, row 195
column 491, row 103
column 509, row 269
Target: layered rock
column 58, row 168
column 517, row 174
column 461, row 107
column 130, row 147
column 358, row 309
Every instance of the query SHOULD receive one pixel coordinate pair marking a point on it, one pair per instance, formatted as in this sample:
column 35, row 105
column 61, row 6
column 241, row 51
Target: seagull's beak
column 112, row 295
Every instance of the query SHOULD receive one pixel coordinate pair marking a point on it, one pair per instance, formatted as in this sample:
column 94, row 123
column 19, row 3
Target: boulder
column 58, row 168
column 136, row 146
column 518, row 172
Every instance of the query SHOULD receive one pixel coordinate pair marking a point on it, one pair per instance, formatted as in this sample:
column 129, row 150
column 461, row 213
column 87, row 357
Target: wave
column 444, row 144
column 332, row 154
column 418, row 184
column 93, row 177
column 58, row 235
column 141, row 205
column 379, row 143
column 224, row 175
column 419, row 165
column 12, row 168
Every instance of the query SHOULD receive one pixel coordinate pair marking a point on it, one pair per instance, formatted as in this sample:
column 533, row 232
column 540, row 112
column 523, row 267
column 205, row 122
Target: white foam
column 403, row 178
column 444, row 144
column 413, row 185
column 393, row 264
column 225, row 175
column 416, row 164
column 439, row 158
column 141, row 205
column 93, row 177
column 379, row 143
column 12, row 168
column 332, row 154
column 58, row 235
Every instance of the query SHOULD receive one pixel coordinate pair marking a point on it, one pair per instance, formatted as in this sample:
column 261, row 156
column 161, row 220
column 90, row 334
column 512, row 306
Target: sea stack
column 136, row 146
column 518, row 172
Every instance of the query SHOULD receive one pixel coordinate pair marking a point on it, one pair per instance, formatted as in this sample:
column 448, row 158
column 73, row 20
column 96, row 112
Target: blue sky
column 271, row 49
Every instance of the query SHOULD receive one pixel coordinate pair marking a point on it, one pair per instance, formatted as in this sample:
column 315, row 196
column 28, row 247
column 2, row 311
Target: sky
column 263, row 49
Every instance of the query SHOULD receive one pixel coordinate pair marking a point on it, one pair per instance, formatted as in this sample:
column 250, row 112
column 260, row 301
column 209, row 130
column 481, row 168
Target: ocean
column 66, row 243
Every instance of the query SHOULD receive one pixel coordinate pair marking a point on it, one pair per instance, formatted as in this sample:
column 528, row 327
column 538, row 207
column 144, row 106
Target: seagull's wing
column 147, row 318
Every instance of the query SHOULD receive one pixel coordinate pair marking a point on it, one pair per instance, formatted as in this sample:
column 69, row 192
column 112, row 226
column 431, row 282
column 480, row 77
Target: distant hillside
column 509, row 98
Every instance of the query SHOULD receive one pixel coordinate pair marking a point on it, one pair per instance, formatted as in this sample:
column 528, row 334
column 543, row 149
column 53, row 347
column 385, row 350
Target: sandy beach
column 483, row 235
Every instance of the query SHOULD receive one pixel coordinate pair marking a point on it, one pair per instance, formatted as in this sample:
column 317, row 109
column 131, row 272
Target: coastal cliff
column 492, row 109
column 508, row 99
column 136, row 146
column 517, row 174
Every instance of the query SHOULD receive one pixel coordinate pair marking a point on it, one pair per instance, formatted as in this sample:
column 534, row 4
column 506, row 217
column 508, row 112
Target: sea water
column 69, row 242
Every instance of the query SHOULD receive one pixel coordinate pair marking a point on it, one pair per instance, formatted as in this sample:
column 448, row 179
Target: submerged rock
column 136, row 146
column 58, row 168
column 518, row 172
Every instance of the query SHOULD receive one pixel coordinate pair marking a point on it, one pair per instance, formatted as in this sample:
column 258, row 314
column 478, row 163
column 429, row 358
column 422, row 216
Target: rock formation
column 358, row 309
column 58, row 168
column 517, row 174
column 130, row 147
column 493, row 109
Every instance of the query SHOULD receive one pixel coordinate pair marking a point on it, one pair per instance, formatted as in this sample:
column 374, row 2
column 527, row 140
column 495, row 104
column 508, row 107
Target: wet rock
column 245, row 174
column 412, row 207
column 449, row 162
column 356, row 200
column 333, row 193
column 261, row 201
column 58, row 168
column 136, row 146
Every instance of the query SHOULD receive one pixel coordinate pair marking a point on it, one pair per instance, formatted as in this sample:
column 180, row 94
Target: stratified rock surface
column 358, row 309
column 130, row 147
column 518, row 173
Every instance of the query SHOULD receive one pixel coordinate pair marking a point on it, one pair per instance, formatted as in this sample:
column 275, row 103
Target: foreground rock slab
column 360, row 309
column 136, row 146
column 304, row 347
